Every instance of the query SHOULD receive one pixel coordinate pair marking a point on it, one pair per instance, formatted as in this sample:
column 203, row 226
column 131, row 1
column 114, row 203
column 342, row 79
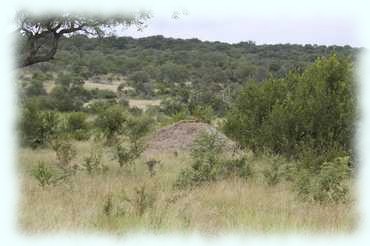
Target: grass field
column 143, row 104
column 99, row 202
column 90, row 85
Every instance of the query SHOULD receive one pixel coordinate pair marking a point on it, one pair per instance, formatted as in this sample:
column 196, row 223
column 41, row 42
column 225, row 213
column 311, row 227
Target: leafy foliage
column 64, row 150
column 43, row 174
column 311, row 113
column 125, row 155
column 210, row 163
column 111, row 122
column 136, row 127
column 37, row 126
column 331, row 184
column 92, row 162
column 69, row 94
column 77, row 125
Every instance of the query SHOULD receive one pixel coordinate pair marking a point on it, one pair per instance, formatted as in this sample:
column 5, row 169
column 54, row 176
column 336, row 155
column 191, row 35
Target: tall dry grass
column 79, row 203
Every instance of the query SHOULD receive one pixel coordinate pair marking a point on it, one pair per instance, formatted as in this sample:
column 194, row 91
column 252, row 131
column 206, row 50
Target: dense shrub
column 311, row 113
column 171, row 106
column 126, row 154
column 237, row 167
column 331, row 184
column 203, row 113
column 37, row 126
column 64, row 151
column 210, row 163
column 97, row 106
column 111, row 122
column 93, row 162
column 273, row 172
column 102, row 94
column 77, row 126
column 135, row 128
column 69, row 93
column 35, row 88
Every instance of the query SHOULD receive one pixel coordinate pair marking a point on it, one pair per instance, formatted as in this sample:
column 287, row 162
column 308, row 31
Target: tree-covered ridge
column 172, row 60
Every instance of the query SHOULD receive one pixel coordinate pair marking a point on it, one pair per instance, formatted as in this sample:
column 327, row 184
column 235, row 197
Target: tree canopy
column 40, row 35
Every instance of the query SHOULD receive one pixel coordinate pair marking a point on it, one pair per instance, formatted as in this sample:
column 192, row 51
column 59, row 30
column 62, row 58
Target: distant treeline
column 167, row 60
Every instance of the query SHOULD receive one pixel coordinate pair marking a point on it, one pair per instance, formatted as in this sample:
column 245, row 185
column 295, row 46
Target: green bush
column 102, row 94
column 135, row 128
column 43, row 174
column 77, row 126
column 69, row 93
column 210, row 163
column 237, row 167
column 274, row 172
column 151, row 164
column 171, row 106
column 64, row 151
column 330, row 184
column 108, row 206
column 111, row 122
column 97, row 106
column 125, row 155
column 37, row 127
column 92, row 163
column 311, row 112
column 203, row 113
column 35, row 88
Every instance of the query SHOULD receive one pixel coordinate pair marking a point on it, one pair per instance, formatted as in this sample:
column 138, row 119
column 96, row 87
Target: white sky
column 317, row 22
column 324, row 22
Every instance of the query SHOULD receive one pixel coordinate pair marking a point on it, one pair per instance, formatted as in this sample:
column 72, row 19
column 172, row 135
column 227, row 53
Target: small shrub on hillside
column 92, row 163
column 97, row 106
column 37, row 126
column 111, row 122
column 77, row 126
column 35, row 88
column 141, row 200
column 171, row 106
column 237, row 167
column 42, row 174
column 203, row 113
column 331, row 184
column 210, row 163
column 185, row 179
column 151, row 164
column 136, row 127
column 108, row 205
column 125, row 155
column 273, row 172
column 135, row 111
column 69, row 93
column 102, row 94
column 180, row 115
column 64, row 150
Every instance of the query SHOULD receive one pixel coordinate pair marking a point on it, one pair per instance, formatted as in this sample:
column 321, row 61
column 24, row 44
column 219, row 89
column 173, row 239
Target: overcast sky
column 303, row 22
column 323, row 22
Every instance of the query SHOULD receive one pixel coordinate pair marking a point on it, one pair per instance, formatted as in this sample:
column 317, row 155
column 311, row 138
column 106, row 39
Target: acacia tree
column 40, row 34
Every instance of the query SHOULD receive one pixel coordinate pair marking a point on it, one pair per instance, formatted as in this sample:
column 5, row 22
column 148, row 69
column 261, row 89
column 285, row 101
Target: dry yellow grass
column 89, row 85
column 227, row 205
column 143, row 104
column 49, row 85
